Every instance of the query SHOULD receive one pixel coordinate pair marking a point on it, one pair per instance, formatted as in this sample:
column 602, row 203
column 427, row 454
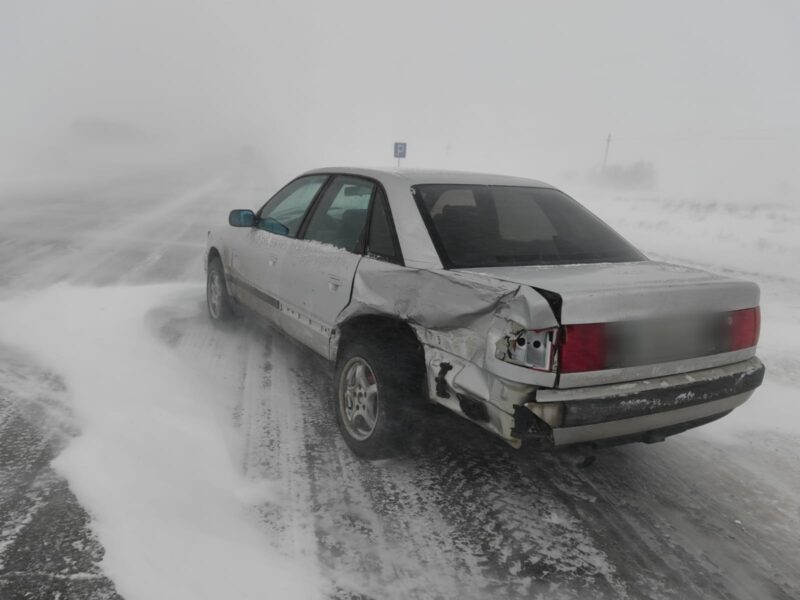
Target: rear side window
column 340, row 218
column 486, row 226
column 381, row 242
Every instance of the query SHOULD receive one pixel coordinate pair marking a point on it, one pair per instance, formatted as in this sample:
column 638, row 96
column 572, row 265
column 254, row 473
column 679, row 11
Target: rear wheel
column 374, row 391
column 358, row 399
column 220, row 308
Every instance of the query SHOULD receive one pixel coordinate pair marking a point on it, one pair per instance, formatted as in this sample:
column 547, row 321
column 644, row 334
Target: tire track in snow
column 508, row 515
column 265, row 411
column 420, row 527
column 377, row 534
column 335, row 506
column 680, row 523
column 274, row 447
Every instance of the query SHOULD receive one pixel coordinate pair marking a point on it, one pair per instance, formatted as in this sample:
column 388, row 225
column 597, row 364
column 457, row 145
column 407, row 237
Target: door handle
column 272, row 260
column 334, row 282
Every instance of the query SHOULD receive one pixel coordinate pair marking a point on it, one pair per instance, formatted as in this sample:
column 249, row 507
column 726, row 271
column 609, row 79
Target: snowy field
column 146, row 454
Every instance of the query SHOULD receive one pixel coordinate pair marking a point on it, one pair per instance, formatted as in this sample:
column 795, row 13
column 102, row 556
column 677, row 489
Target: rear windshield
column 482, row 226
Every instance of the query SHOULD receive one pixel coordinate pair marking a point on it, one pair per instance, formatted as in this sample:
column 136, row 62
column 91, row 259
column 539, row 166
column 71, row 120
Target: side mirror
column 242, row 218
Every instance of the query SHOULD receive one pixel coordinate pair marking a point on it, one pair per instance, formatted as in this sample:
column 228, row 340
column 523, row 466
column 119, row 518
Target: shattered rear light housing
column 533, row 348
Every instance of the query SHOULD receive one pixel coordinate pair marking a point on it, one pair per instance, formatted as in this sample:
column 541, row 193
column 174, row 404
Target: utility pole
column 605, row 158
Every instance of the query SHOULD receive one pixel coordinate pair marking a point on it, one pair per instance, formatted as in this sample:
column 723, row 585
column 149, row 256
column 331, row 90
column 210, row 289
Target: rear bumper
column 646, row 410
column 650, row 428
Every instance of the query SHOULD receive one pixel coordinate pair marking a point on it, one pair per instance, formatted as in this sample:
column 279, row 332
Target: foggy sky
column 708, row 91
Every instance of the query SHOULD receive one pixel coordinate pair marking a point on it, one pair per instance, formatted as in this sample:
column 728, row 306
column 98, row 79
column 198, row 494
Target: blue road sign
column 399, row 149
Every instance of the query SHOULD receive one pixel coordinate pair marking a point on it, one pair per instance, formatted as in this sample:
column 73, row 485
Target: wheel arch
column 393, row 346
column 213, row 253
column 393, row 329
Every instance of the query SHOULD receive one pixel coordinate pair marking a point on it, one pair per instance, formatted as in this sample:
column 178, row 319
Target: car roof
column 424, row 176
column 415, row 241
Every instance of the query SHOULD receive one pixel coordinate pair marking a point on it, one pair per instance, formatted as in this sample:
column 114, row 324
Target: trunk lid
column 607, row 292
column 660, row 318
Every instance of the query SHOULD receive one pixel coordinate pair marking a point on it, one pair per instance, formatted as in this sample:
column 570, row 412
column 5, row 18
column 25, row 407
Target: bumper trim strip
column 661, row 399
column 645, row 423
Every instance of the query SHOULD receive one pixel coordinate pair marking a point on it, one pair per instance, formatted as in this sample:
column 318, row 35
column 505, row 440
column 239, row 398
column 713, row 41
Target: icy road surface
column 146, row 454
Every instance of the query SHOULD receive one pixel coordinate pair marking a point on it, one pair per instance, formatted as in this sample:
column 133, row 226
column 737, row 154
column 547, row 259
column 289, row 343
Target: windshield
column 482, row 226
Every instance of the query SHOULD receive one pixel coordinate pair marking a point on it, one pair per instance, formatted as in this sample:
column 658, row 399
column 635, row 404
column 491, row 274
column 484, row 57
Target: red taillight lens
column 583, row 348
column 745, row 327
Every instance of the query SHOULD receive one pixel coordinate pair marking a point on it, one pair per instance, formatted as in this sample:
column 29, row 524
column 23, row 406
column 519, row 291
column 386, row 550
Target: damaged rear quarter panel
column 459, row 318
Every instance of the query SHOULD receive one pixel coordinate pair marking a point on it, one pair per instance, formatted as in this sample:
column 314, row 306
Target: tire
column 220, row 307
column 375, row 391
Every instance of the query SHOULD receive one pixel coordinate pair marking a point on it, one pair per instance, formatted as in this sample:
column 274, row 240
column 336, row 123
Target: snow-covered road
column 147, row 454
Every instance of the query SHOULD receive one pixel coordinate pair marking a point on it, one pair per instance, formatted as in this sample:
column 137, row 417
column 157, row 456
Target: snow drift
column 156, row 463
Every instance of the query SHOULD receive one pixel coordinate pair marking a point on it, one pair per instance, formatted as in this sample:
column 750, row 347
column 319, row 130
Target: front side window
column 487, row 226
column 284, row 213
column 341, row 216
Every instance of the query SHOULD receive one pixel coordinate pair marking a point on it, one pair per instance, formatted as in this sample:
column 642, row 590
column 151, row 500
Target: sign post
column 399, row 151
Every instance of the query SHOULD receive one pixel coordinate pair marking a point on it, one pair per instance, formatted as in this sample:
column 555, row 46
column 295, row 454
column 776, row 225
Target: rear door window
column 340, row 218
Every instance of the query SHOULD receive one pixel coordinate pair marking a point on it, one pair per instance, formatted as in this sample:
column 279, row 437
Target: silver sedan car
column 500, row 298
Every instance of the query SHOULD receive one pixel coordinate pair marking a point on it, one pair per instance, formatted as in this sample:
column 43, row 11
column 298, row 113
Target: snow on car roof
column 423, row 176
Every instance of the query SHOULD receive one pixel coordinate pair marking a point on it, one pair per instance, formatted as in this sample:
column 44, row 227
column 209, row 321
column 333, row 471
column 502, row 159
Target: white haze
column 240, row 96
column 705, row 91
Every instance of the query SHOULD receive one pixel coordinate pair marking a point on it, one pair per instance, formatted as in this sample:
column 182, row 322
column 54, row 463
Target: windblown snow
column 157, row 462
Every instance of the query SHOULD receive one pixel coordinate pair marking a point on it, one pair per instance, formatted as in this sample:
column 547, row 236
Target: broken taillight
column 745, row 326
column 532, row 348
column 583, row 348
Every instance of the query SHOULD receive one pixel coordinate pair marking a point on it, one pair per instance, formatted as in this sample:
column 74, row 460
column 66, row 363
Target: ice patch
column 157, row 463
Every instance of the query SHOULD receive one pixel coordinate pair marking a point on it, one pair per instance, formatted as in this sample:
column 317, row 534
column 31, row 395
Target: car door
column 316, row 276
column 257, row 257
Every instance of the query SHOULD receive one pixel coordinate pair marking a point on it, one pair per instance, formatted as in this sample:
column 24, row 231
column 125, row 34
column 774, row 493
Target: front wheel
column 370, row 406
column 217, row 298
